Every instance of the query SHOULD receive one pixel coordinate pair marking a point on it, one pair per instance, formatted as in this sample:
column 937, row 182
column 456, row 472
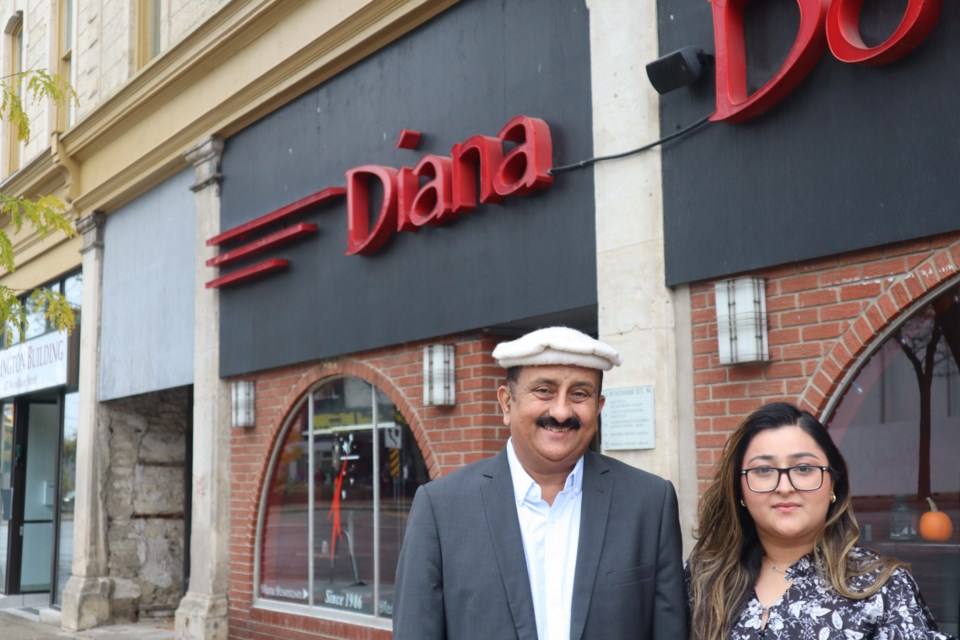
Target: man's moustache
column 572, row 422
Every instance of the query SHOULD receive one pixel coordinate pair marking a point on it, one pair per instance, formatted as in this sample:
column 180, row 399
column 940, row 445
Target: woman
column 777, row 553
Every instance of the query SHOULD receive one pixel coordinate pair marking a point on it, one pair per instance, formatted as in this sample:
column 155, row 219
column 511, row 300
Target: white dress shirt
column 551, row 535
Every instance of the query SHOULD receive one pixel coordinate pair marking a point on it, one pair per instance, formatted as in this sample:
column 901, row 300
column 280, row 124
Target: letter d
column 733, row 103
column 360, row 239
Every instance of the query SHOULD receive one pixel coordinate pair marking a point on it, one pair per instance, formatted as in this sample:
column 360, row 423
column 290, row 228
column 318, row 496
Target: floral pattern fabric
column 812, row 610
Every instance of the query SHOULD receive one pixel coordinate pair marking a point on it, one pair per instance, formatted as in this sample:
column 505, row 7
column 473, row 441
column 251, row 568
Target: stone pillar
column 86, row 599
column 637, row 313
column 202, row 613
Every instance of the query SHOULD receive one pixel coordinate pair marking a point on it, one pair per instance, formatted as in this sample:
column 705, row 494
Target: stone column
column 86, row 599
column 647, row 321
column 203, row 611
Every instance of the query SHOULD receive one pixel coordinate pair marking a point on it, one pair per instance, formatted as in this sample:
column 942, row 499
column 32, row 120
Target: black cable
column 589, row 161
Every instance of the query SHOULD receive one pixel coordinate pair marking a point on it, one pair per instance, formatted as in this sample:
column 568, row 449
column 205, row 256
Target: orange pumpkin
column 935, row 526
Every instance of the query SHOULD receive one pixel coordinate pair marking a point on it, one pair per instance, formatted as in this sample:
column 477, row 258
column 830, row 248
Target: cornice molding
column 40, row 175
column 202, row 49
column 236, row 30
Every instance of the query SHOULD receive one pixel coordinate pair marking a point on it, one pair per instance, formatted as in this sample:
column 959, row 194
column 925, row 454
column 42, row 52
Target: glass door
column 68, row 496
column 39, row 495
column 7, row 465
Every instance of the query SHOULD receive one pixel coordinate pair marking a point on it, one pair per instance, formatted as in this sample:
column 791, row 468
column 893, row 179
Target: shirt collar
column 525, row 487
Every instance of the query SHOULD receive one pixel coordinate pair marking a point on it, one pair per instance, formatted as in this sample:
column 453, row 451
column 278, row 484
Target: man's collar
column 523, row 484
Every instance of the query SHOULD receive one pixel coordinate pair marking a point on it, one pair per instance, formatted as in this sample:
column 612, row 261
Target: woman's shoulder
column 866, row 559
column 866, row 566
column 863, row 554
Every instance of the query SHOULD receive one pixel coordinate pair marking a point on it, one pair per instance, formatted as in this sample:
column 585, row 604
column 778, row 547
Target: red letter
column 431, row 204
column 359, row 237
column 526, row 168
column 733, row 103
column 843, row 32
column 407, row 185
column 476, row 158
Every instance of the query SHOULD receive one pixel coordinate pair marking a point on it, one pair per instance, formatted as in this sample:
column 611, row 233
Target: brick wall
column 449, row 437
column 823, row 316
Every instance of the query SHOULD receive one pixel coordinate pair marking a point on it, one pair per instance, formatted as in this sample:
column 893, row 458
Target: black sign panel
column 855, row 157
column 466, row 72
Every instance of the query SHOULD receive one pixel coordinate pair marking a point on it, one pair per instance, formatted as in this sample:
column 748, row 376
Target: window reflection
column 68, row 494
column 283, row 564
column 365, row 469
column 36, row 322
column 6, row 487
column 73, row 289
column 898, row 426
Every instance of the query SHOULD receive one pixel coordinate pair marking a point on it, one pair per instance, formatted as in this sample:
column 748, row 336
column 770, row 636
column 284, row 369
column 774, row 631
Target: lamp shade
column 243, row 403
column 741, row 320
column 439, row 388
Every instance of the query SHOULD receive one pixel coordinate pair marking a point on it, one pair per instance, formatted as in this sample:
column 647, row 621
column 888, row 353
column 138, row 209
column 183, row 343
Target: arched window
column 335, row 508
column 898, row 425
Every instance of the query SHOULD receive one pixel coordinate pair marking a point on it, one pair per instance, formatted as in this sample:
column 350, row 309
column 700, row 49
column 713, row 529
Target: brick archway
column 896, row 301
column 309, row 378
column 448, row 437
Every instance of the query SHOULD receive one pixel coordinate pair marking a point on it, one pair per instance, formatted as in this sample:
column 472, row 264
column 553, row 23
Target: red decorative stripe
column 247, row 273
column 238, row 233
column 257, row 246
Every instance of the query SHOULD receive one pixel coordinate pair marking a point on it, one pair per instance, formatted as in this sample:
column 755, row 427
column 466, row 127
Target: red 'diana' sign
column 450, row 187
column 438, row 189
column 823, row 23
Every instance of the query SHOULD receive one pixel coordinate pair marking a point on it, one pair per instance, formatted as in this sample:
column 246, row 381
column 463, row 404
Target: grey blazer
column 462, row 573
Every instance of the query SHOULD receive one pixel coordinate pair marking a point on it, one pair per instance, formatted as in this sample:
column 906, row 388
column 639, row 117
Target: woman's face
column 787, row 516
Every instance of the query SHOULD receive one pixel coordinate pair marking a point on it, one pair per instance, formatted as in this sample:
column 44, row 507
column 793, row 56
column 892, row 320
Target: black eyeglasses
column 803, row 477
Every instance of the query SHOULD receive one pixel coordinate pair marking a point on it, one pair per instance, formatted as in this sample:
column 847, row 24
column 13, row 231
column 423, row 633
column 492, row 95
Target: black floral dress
column 812, row 610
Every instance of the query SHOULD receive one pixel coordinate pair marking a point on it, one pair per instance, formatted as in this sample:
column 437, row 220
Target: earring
column 742, row 503
column 833, row 498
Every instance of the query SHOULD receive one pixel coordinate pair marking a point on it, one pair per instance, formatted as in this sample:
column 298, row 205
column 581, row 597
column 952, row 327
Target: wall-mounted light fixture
column 742, row 320
column 439, row 388
column 243, row 403
column 677, row 69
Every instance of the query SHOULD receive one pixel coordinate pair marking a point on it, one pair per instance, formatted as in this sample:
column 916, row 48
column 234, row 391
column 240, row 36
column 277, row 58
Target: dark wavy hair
column 725, row 562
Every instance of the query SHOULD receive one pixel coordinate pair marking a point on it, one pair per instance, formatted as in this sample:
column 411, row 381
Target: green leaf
column 35, row 86
column 57, row 312
column 44, row 214
column 13, row 316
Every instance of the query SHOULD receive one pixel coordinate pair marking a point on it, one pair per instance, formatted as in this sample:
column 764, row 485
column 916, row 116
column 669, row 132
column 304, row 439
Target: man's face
column 553, row 414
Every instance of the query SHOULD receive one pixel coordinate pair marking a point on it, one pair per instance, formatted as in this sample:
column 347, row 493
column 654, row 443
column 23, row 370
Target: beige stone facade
column 150, row 96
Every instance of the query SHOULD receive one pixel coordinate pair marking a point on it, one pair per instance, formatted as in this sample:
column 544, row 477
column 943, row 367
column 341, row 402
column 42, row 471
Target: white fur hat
column 557, row 346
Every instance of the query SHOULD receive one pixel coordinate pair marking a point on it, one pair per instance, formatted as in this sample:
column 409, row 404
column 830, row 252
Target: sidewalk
column 17, row 625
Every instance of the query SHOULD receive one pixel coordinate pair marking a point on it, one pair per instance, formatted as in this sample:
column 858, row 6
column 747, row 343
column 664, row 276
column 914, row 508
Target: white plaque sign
column 38, row 363
column 627, row 419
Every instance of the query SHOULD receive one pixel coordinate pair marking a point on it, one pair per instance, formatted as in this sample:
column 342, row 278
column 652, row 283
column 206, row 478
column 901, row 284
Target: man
column 547, row 540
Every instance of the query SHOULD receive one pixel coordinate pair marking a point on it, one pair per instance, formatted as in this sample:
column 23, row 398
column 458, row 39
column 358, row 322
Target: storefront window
column 898, row 426
column 336, row 506
column 34, row 311
column 73, row 289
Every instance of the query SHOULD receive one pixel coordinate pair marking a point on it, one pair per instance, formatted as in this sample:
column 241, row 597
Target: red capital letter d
column 733, row 103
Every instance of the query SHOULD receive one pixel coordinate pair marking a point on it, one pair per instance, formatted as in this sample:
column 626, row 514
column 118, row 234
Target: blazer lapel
column 496, row 490
column 594, row 510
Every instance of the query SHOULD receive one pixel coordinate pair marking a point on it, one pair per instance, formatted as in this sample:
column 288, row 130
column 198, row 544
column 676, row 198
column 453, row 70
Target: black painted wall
column 467, row 71
column 856, row 157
